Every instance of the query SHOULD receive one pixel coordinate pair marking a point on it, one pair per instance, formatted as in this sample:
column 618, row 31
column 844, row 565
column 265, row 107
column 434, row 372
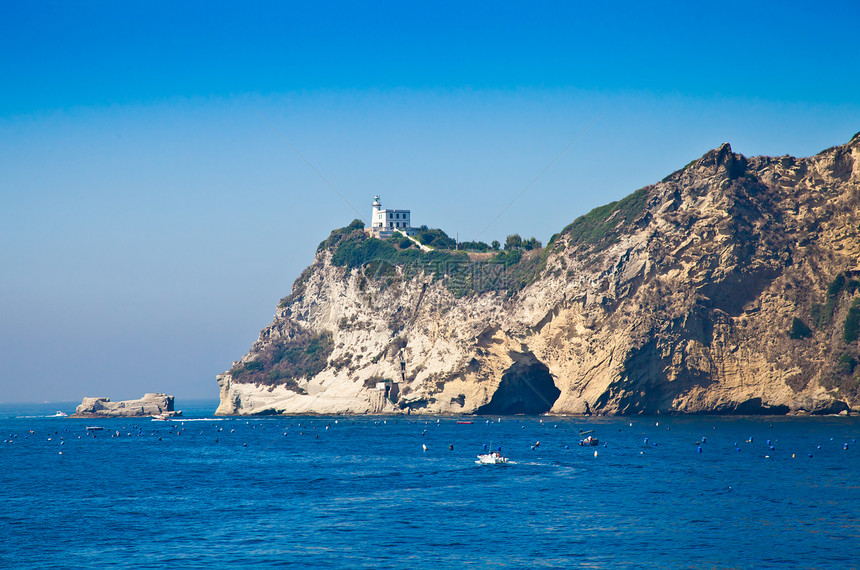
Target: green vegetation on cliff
column 283, row 362
column 603, row 226
column 822, row 314
column 510, row 270
column 799, row 329
column 851, row 330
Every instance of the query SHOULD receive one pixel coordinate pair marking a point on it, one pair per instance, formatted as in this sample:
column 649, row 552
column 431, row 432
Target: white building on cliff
column 386, row 223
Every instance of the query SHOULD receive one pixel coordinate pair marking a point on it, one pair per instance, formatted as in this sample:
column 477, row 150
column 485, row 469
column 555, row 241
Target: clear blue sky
column 150, row 219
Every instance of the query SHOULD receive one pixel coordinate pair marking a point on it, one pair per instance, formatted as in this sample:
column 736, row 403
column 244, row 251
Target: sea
column 406, row 492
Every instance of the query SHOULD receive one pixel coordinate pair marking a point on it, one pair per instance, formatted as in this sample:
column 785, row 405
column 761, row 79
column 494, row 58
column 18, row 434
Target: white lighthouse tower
column 375, row 219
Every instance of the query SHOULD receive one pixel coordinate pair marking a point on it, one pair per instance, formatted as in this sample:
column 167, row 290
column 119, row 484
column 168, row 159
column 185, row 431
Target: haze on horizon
column 151, row 217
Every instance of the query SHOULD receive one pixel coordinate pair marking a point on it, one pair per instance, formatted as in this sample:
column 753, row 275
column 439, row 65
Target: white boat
column 493, row 458
column 59, row 414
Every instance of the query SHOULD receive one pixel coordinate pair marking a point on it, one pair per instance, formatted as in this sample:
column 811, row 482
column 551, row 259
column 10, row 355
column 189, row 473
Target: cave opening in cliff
column 526, row 388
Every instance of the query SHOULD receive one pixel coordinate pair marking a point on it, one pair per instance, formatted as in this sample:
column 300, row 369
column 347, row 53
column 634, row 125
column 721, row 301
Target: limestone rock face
column 150, row 405
column 681, row 298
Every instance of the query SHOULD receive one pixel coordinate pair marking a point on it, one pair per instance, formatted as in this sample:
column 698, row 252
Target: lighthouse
column 386, row 222
column 375, row 219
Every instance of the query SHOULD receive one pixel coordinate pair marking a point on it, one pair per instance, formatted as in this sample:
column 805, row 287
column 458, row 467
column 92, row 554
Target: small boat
column 59, row 414
column 160, row 417
column 493, row 458
column 588, row 441
column 95, row 428
column 462, row 422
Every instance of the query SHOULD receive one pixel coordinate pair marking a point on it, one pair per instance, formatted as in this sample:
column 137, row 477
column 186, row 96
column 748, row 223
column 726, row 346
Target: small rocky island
column 150, row 405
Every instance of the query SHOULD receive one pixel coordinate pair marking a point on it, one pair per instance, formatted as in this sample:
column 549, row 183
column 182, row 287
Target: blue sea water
column 343, row 492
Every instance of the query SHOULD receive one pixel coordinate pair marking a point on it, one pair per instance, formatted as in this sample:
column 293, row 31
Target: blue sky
column 151, row 218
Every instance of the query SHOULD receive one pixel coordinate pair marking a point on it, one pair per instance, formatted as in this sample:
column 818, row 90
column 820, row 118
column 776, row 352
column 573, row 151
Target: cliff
column 731, row 286
column 149, row 405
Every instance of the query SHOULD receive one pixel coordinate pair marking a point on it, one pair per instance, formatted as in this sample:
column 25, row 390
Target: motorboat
column 492, row 458
column 59, row 414
column 590, row 440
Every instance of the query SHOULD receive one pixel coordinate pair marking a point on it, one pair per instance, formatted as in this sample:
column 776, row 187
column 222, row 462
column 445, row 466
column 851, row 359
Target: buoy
column 595, row 453
column 451, row 447
column 424, row 445
column 698, row 450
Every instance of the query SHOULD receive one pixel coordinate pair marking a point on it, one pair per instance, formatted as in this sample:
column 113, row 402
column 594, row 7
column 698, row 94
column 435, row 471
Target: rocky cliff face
column 731, row 286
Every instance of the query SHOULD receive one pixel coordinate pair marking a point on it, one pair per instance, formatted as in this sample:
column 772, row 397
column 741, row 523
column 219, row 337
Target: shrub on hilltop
column 435, row 238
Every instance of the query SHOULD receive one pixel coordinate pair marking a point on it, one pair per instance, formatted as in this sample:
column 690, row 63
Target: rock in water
column 150, row 405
